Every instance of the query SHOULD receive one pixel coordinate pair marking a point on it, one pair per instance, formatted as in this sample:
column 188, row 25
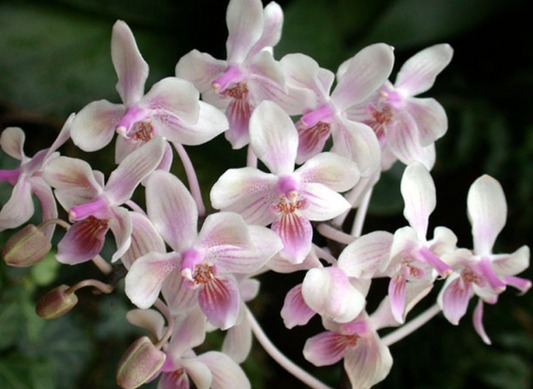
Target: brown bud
column 27, row 247
column 56, row 303
column 139, row 363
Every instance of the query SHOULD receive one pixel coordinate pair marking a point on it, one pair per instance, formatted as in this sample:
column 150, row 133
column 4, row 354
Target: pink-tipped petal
column 247, row 191
column 274, row 138
column 200, row 68
column 12, row 142
column 485, row 268
column 121, row 226
column 328, row 292
column 133, row 169
column 131, row 68
column 189, row 332
column 418, row 74
column 295, row 311
column 83, row 241
column 149, row 319
column 172, row 210
column 478, row 322
column 94, row 126
column 322, row 203
column 334, row 171
column 419, row 196
column 454, row 297
column 144, row 239
column 273, row 23
column 219, row 300
column 430, row 118
column 397, row 296
column 368, row 363
column 146, row 275
column 363, row 258
column 19, row 208
column 325, row 348
column 522, row 284
column 296, row 233
column 227, row 374
column 245, row 27
column 238, row 341
column 487, row 211
column 366, row 72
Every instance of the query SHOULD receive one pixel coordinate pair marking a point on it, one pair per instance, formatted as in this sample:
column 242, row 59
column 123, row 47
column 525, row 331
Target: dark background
column 54, row 59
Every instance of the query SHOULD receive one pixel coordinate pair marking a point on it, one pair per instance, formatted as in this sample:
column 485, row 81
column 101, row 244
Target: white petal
column 245, row 26
column 334, row 171
column 273, row 23
column 510, row 265
column 238, row 341
column 419, row 196
column 189, row 332
column 48, row 203
column 226, row 373
column 274, row 138
column 149, row 319
column 121, row 227
column 487, row 211
column 131, row 68
column 418, row 74
column 19, row 208
column 224, row 229
column 172, row 209
column 322, row 203
column 200, row 68
column 144, row 239
column 430, row 119
column 66, row 174
column 12, row 142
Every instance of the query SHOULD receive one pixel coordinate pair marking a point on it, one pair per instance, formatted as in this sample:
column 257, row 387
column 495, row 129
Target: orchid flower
column 200, row 267
column 171, row 108
column 27, row 179
column 286, row 198
column 407, row 127
column 367, row 360
column 480, row 272
column 249, row 75
column 329, row 113
column 95, row 207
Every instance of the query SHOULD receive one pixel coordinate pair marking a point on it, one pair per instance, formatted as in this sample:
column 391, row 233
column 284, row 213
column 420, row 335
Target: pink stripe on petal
column 238, row 113
column 311, row 140
column 296, row 233
column 83, row 241
column 174, row 380
column 219, row 300
column 454, row 298
column 397, row 286
column 478, row 322
column 295, row 311
column 485, row 268
column 325, row 348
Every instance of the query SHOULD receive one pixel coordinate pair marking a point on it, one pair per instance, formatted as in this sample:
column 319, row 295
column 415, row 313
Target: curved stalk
column 411, row 326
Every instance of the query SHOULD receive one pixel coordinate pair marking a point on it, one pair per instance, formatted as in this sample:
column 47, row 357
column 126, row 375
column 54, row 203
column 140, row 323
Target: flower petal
column 363, row 258
column 478, row 322
column 397, row 286
column 245, row 27
column 238, row 341
column 149, row 319
column 133, row 169
column 296, row 234
column 430, row 118
column 295, row 311
column 419, row 196
column 189, row 332
column 200, row 68
column 200, row 374
column 131, row 68
column 12, row 142
column 83, row 241
column 172, row 210
column 454, row 297
column 510, row 265
column 94, row 126
column 144, row 239
column 66, row 173
column 273, row 23
column 238, row 113
column 219, row 300
column 334, row 171
column 19, row 208
column 121, row 226
column 172, row 380
column 178, row 293
column 325, row 348
column 368, row 363
column 146, row 275
column 226, row 373
column 321, row 202
column 328, row 292
column 418, row 74
column 48, row 203
column 366, row 72
column 247, row 191
column 487, row 211
column 224, row 229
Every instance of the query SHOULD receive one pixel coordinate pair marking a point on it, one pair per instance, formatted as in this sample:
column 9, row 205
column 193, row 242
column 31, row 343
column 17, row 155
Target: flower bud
column 56, row 303
column 139, row 363
column 27, row 247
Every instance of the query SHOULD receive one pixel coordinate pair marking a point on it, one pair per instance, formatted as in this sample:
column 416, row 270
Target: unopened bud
column 56, row 303
column 27, row 247
column 139, row 363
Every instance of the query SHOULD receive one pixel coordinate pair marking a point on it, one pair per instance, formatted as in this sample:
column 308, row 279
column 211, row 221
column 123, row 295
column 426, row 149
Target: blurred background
column 55, row 58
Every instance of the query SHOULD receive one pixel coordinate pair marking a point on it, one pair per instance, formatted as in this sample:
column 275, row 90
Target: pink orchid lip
column 231, row 75
column 321, row 114
column 494, row 281
column 190, row 259
column 359, row 327
column 426, row 256
column 98, row 207
column 10, row 176
column 133, row 114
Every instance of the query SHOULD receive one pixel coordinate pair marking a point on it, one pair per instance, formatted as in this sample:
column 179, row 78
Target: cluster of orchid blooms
column 198, row 279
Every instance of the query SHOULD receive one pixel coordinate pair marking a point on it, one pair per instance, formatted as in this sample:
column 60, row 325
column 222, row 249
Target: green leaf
column 21, row 372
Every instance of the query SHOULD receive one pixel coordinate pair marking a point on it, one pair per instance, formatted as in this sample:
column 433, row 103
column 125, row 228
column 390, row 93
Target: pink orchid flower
column 407, row 127
column 171, row 108
column 480, row 272
column 27, row 179
column 330, row 113
column 95, row 207
column 250, row 74
column 286, row 198
column 367, row 360
column 200, row 267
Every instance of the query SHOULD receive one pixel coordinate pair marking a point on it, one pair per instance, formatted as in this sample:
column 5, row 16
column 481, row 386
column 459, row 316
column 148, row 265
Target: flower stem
column 159, row 304
column 59, row 222
column 360, row 216
column 332, row 233
column 104, row 288
column 411, row 326
column 194, row 186
column 280, row 358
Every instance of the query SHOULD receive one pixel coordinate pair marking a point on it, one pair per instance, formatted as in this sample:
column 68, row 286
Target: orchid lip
column 10, row 176
column 321, row 114
column 133, row 115
column 96, row 207
column 231, row 75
